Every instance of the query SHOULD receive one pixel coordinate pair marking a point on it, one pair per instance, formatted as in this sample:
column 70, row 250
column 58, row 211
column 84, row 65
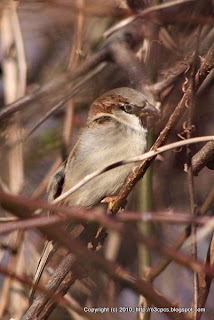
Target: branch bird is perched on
column 116, row 129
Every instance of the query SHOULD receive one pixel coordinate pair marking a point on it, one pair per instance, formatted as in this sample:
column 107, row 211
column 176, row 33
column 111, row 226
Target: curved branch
column 142, row 157
column 203, row 157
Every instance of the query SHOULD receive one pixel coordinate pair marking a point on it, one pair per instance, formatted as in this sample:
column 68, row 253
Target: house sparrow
column 116, row 129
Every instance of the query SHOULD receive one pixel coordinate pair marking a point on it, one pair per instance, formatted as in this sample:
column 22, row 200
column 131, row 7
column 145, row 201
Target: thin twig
column 77, row 216
column 117, row 273
column 14, row 77
column 144, row 226
column 67, row 97
column 93, row 10
column 24, row 208
column 190, row 180
column 145, row 156
column 74, row 57
column 25, row 280
column 59, row 85
column 149, row 12
column 205, row 281
column 208, row 64
column 56, row 85
column 163, row 263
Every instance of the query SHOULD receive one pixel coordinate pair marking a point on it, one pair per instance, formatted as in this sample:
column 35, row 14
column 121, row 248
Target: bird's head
column 126, row 105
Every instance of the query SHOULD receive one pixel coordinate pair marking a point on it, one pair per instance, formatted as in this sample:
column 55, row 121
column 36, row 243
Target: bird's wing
column 54, row 190
column 56, row 183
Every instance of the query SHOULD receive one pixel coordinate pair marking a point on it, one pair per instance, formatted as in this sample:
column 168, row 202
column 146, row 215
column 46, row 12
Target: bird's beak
column 149, row 111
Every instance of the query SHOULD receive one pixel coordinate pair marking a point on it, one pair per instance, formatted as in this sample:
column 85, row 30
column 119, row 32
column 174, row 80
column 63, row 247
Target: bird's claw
column 110, row 201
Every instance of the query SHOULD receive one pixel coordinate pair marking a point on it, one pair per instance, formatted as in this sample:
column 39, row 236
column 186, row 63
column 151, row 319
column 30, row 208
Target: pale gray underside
column 98, row 147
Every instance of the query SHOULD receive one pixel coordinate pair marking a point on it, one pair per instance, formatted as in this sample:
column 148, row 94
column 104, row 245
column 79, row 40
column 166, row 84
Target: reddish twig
column 19, row 208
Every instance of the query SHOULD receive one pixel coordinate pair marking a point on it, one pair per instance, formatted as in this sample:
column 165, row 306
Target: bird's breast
column 99, row 147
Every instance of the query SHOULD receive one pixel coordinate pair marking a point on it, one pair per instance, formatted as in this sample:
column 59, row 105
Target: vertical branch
column 164, row 262
column 144, row 256
column 190, row 182
column 11, row 80
column 20, row 52
column 111, row 251
column 14, row 78
column 204, row 280
column 76, row 48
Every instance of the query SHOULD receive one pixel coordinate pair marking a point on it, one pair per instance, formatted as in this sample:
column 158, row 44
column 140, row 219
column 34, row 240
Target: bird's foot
column 110, row 201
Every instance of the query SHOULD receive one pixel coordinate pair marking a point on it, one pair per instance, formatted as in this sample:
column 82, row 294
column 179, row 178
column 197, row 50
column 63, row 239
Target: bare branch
column 24, row 208
column 60, row 84
column 204, row 280
column 19, row 208
column 144, row 156
column 204, row 70
column 203, row 157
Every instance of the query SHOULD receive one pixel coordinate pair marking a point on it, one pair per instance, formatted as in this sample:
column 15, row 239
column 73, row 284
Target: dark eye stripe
column 122, row 108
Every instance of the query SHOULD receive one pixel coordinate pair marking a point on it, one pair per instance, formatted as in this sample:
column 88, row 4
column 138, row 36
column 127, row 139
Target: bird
column 116, row 129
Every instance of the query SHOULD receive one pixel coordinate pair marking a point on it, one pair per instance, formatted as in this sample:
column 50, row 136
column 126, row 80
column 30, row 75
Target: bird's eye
column 127, row 108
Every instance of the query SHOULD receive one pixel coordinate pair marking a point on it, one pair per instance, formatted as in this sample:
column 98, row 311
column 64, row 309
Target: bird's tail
column 47, row 253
